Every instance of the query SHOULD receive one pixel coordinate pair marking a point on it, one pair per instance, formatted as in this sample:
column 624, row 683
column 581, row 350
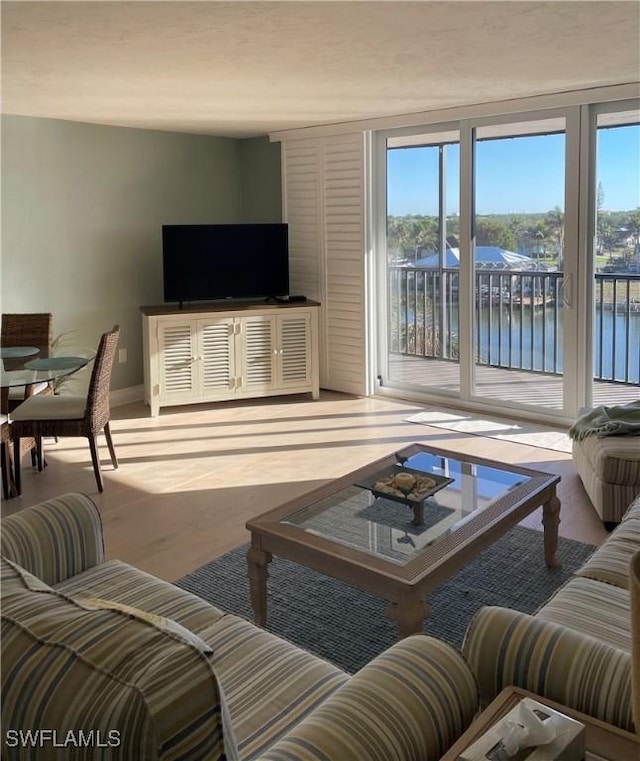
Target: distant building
column 487, row 257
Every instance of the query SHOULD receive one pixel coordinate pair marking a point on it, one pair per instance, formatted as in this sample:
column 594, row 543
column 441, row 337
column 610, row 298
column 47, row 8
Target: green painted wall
column 261, row 180
column 82, row 209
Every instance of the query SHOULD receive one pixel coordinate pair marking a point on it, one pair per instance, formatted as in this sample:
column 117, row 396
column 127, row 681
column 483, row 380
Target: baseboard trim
column 126, row 395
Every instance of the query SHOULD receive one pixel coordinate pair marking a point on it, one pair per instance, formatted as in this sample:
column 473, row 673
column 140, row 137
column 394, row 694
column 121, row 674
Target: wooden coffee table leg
column 551, row 521
column 257, row 561
column 408, row 615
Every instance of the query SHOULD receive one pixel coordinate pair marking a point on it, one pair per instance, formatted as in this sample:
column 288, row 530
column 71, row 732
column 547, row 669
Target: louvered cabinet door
column 217, row 372
column 257, row 348
column 177, row 357
column 294, row 351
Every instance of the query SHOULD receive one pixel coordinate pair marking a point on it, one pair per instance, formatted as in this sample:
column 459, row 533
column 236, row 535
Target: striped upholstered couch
column 577, row 649
column 93, row 668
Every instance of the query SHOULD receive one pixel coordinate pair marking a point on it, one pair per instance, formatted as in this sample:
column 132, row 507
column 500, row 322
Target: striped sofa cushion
column 411, row 702
column 634, row 575
column 610, row 562
column 590, row 607
column 616, row 459
column 67, row 668
column 122, row 583
column 505, row 647
column 634, row 509
column 610, row 500
column 56, row 539
column 268, row 683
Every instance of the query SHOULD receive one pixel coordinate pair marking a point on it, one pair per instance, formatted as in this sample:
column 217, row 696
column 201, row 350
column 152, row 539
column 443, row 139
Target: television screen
column 210, row 262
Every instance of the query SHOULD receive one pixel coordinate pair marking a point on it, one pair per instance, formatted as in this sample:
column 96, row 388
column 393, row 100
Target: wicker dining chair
column 27, row 329
column 5, row 438
column 67, row 415
column 7, row 456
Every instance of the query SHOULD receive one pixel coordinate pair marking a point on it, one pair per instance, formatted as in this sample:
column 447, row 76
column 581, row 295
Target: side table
column 604, row 741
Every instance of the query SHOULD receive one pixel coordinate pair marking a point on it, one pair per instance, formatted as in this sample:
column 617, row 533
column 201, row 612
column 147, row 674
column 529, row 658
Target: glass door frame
column 588, row 234
column 380, row 215
column 571, row 323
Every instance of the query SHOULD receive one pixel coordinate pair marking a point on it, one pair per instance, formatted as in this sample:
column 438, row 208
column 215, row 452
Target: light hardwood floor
column 190, row 479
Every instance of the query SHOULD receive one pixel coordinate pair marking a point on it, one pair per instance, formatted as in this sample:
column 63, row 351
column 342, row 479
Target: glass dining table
column 24, row 366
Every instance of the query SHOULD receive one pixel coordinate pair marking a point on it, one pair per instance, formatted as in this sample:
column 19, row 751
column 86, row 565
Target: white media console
column 210, row 353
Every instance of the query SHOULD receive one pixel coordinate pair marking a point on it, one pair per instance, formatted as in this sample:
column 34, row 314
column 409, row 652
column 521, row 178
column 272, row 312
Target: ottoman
column 609, row 468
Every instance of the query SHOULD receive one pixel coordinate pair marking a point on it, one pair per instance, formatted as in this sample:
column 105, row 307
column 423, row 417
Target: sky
column 514, row 175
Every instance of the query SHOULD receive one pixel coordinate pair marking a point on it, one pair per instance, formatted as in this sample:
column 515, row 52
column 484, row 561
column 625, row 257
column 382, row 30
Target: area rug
column 521, row 433
column 349, row 628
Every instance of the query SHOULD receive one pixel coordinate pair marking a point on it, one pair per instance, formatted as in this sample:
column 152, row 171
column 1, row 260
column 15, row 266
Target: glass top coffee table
column 372, row 531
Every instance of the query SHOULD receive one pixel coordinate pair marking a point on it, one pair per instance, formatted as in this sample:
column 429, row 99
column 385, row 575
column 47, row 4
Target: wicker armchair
column 67, row 415
column 30, row 329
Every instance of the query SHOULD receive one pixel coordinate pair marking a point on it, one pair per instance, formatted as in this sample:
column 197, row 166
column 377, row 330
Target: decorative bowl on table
column 404, row 485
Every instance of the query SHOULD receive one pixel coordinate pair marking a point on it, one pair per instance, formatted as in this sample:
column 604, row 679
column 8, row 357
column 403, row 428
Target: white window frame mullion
column 378, row 294
column 323, row 343
column 586, row 249
column 573, row 267
column 370, row 237
column 466, row 342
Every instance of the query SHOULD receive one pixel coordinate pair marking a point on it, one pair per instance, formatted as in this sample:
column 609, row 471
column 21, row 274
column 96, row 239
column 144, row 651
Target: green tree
column 407, row 234
column 539, row 233
column 607, row 236
column 633, row 223
column 555, row 223
column 599, row 217
column 494, row 232
column 599, row 197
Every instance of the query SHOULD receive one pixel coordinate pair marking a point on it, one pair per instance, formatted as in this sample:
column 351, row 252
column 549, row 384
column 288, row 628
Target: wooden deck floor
column 498, row 384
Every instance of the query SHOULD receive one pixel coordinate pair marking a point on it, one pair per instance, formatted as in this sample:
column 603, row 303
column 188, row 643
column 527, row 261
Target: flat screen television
column 211, row 262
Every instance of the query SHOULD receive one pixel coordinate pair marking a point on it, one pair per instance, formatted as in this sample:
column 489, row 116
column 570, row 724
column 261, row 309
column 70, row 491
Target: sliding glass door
column 421, row 277
column 616, row 256
column 519, row 262
column 508, row 252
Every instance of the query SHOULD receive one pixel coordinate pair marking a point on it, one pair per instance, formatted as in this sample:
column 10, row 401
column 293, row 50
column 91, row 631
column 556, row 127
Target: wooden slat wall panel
column 344, row 271
column 301, row 167
column 324, row 192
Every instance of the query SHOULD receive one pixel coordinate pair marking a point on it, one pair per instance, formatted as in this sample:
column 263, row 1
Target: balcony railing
column 518, row 319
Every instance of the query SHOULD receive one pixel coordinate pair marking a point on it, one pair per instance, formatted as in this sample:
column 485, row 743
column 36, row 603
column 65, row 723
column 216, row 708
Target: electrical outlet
column 122, row 356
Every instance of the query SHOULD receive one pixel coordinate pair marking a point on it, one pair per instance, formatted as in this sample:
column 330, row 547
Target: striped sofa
column 577, row 649
column 609, row 468
column 101, row 660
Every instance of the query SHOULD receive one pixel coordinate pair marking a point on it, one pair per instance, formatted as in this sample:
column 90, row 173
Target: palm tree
column 540, row 232
column 555, row 222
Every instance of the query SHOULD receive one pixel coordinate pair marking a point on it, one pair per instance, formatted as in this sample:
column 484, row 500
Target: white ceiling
column 249, row 68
